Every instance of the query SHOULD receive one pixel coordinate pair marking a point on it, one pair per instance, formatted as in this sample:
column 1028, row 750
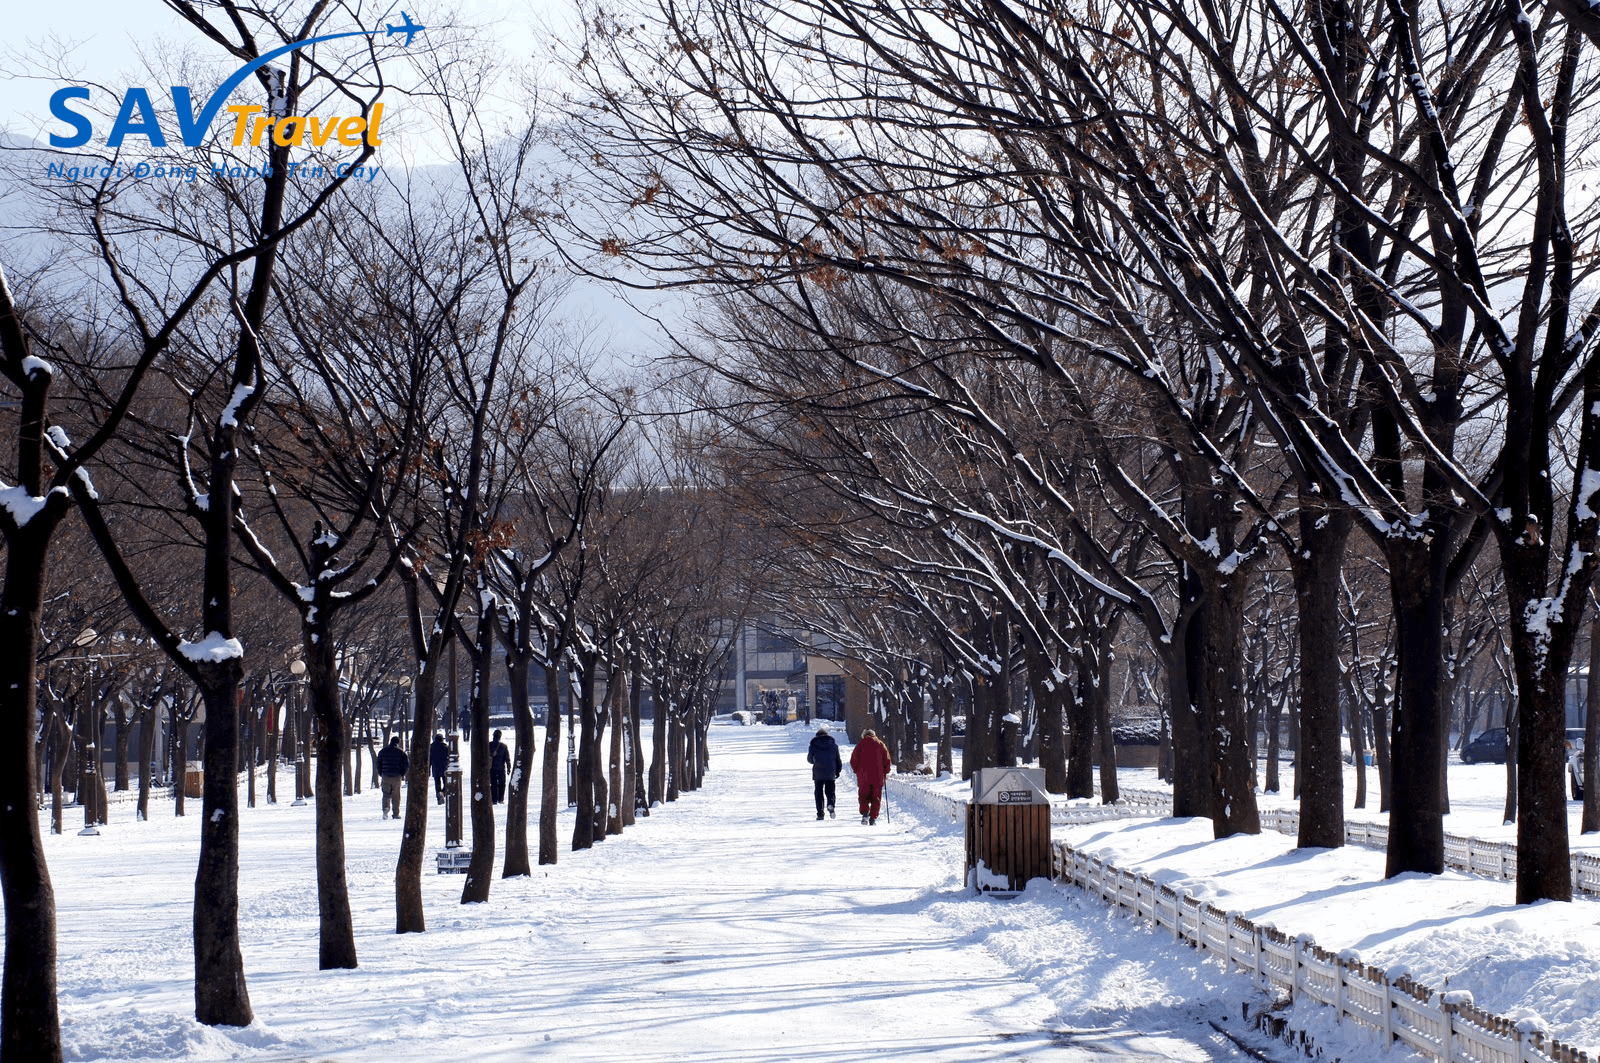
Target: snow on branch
column 214, row 648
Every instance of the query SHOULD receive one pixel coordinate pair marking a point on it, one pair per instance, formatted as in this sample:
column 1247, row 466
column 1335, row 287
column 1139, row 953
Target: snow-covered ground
column 1451, row 931
column 731, row 925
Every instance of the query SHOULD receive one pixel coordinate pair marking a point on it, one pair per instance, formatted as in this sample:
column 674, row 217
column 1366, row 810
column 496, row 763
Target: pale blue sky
column 108, row 36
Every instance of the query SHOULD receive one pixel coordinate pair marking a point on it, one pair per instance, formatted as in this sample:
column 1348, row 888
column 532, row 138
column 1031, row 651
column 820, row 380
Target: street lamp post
column 87, row 791
column 298, row 668
column 272, row 750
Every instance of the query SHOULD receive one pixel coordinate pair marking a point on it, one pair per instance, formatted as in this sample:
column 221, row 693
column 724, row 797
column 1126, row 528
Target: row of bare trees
column 1146, row 293
column 298, row 418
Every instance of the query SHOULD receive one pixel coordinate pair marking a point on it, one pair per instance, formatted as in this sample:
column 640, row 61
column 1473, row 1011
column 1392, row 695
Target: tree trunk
column 1591, row 736
column 83, row 750
column 30, row 1027
column 124, row 778
column 944, row 702
column 254, row 742
column 521, row 778
column 220, row 996
column 480, row 867
column 1109, row 791
column 999, row 755
column 1053, row 742
column 336, row 947
column 1323, row 534
column 1378, row 727
column 675, row 754
column 1416, row 810
column 409, row 915
column 1358, row 743
column 635, row 749
column 147, row 751
column 1082, row 716
column 550, row 790
column 41, row 751
column 658, row 742
column 1513, row 719
column 178, row 727
column 583, row 833
column 1221, row 620
column 345, row 760
column 272, row 750
column 1544, row 859
column 702, row 751
column 1274, row 737
column 60, row 743
column 1541, row 653
column 617, row 694
column 1191, row 769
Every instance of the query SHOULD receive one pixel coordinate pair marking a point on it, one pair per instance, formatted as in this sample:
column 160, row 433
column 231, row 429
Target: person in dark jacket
column 870, row 761
column 392, row 767
column 825, row 767
column 439, row 761
column 499, row 765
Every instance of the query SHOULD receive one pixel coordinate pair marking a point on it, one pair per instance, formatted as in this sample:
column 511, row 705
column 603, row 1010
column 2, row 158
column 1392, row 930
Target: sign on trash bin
column 1009, row 786
column 1008, row 830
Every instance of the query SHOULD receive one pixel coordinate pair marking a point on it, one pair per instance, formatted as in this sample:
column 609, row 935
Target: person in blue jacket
column 823, row 756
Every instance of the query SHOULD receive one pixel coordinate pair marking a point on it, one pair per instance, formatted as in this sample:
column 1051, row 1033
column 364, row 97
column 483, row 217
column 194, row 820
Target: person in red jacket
column 870, row 762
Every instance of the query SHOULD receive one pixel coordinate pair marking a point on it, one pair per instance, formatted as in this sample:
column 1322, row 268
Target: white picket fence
column 1443, row 1026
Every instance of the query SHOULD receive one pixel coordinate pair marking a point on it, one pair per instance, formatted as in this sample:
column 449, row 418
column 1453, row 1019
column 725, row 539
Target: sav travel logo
column 136, row 116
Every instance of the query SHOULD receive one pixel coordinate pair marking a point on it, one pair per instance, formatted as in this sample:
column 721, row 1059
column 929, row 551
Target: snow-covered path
column 729, row 926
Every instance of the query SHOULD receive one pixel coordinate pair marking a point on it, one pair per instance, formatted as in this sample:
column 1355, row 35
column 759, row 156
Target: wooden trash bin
column 1008, row 830
column 194, row 780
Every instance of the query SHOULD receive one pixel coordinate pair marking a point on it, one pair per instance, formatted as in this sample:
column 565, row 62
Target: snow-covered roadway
column 729, row 926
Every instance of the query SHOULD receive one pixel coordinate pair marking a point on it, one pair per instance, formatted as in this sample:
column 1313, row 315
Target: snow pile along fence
column 907, row 792
column 1132, row 804
column 1442, row 1026
column 1473, row 856
column 911, row 790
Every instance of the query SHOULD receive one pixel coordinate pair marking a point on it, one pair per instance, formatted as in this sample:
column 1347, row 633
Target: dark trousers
column 497, row 786
column 438, row 788
column 824, row 789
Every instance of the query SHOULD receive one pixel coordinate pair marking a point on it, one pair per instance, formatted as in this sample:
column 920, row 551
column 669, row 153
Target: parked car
column 1488, row 748
column 1575, row 761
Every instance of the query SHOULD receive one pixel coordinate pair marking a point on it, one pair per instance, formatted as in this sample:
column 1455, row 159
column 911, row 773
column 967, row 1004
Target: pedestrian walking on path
column 499, row 767
column 439, row 761
column 392, row 767
column 825, row 767
column 870, row 761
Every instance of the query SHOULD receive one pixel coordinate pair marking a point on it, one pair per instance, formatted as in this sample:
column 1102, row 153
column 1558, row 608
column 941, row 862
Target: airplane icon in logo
column 409, row 28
